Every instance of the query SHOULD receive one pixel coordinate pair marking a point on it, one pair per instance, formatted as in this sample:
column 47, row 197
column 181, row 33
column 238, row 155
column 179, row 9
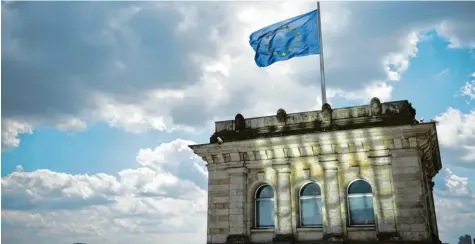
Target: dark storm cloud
column 55, row 54
column 357, row 51
column 64, row 50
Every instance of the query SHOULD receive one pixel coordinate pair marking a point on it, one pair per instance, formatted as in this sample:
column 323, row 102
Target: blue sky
column 98, row 107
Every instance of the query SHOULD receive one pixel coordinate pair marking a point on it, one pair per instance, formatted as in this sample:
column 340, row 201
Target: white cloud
column 456, row 185
column 457, row 130
column 155, row 201
column 11, row 129
column 454, row 206
column 398, row 63
column 443, row 72
column 212, row 74
column 72, row 124
column 19, row 168
column 468, row 89
column 162, row 199
column 381, row 90
column 459, row 34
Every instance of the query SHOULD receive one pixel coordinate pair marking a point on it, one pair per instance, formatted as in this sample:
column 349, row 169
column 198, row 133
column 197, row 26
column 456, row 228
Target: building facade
column 350, row 175
column 466, row 239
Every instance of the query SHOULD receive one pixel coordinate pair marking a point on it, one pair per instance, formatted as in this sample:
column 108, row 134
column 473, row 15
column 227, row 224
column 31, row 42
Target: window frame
column 309, row 197
column 356, row 195
column 257, row 200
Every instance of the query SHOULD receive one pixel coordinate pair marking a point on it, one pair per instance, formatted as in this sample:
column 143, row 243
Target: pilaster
column 237, row 205
column 333, row 228
column 384, row 198
column 284, row 205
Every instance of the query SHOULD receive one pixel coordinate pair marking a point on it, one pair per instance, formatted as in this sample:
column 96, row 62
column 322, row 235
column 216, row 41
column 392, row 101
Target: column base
column 388, row 236
column 283, row 239
column 237, row 239
column 334, row 237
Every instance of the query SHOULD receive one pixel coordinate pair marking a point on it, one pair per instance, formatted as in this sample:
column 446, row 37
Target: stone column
column 284, row 206
column 333, row 228
column 237, row 205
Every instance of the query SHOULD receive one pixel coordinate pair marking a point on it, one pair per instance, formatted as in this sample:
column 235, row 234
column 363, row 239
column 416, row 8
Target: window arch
column 311, row 206
column 360, row 203
column 264, row 206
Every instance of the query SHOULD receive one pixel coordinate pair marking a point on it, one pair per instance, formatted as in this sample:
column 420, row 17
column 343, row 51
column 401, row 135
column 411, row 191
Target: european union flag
column 284, row 40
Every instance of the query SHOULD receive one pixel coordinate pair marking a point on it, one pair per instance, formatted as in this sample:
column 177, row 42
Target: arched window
column 360, row 203
column 311, row 206
column 264, row 207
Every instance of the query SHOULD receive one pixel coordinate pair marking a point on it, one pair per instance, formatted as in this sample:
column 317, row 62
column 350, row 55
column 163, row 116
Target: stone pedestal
column 283, row 239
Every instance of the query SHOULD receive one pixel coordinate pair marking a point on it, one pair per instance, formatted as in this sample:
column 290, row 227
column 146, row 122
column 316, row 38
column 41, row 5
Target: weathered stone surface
column 379, row 143
column 237, row 239
column 392, row 113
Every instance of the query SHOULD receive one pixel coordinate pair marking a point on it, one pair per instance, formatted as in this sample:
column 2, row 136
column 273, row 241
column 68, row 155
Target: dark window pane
column 361, row 210
column 359, row 187
column 265, row 213
column 311, row 189
column 311, row 211
column 265, row 192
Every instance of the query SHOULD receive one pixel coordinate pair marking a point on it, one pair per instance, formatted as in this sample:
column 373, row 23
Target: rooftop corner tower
column 350, row 175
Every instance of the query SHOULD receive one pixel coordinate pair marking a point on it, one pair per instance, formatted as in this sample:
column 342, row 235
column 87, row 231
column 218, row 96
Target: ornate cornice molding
column 377, row 148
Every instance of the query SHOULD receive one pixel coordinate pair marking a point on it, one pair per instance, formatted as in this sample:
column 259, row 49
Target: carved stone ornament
column 239, row 122
column 376, row 108
column 281, row 115
column 326, row 113
column 244, row 156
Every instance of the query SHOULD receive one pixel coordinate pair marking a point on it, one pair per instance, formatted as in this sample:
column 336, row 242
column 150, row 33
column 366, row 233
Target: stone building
column 466, row 239
column 349, row 175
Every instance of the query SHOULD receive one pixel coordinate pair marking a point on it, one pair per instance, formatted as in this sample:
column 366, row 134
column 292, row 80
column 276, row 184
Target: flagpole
column 322, row 67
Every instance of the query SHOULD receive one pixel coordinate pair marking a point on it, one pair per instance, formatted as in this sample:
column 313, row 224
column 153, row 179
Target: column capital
column 330, row 165
column 380, row 161
column 237, row 170
column 216, row 167
column 282, row 168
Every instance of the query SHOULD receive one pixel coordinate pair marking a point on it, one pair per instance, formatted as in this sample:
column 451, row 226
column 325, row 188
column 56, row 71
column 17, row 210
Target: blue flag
column 284, row 40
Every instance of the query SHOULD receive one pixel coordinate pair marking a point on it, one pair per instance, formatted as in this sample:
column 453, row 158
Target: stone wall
column 394, row 165
column 409, row 196
column 218, row 206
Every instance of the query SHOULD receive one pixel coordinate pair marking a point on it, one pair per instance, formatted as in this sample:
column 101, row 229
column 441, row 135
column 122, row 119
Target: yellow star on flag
column 290, row 50
column 297, row 44
column 283, row 54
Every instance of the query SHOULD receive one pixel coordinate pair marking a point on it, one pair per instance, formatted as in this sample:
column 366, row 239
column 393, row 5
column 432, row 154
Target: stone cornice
column 375, row 148
column 237, row 170
column 317, row 144
column 340, row 139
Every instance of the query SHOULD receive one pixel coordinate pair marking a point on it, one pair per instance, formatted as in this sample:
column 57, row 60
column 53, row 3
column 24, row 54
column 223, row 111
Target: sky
column 100, row 100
